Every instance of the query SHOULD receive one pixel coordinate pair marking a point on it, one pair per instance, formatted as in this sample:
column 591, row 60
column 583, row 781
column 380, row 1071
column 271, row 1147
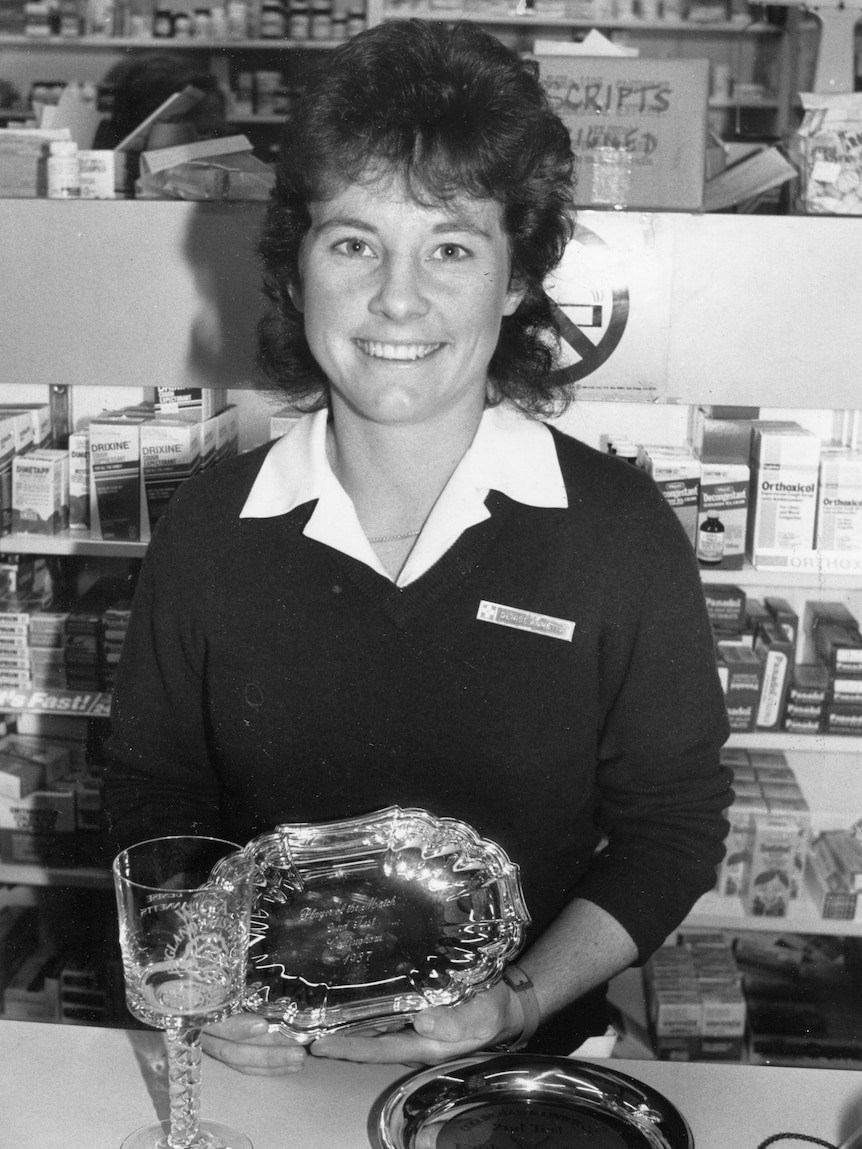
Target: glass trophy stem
column 184, row 1078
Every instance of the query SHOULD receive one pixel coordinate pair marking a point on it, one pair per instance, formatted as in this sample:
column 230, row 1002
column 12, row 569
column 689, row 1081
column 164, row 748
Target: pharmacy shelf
column 515, row 19
column 162, row 43
column 82, row 877
column 70, row 542
column 821, row 571
column 714, row 912
column 820, row 744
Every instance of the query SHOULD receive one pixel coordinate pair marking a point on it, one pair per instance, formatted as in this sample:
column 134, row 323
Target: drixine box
column 117, row 500
column 170, row 454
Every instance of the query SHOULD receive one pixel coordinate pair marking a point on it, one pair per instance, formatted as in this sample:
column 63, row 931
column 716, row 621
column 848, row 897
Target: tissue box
column 639, row 126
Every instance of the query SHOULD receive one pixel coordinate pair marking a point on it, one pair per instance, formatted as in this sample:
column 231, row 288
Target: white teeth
column 401, row 351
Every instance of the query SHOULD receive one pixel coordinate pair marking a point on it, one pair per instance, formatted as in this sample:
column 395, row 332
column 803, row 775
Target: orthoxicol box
column 40, row 491
column 170, row 454
column 722, row 514
column 839, row 503
column 638, row 126
column 785, row 464
column 118, row 507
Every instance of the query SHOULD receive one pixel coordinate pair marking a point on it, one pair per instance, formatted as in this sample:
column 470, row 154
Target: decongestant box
column 785, row 464
column 676, row 473
column 722, row 514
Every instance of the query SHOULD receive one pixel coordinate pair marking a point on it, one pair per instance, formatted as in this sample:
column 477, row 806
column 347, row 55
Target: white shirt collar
column 510, row 453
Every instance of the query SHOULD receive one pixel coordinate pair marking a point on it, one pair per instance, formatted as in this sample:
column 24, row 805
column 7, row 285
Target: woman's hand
column 245, row 1042
column 437, row 1034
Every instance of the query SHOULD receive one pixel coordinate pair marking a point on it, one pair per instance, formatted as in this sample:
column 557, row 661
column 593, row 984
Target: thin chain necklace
column 395, row 538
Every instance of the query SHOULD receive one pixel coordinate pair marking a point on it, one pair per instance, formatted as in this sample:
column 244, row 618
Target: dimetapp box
column 40, row 492
column 117, row 501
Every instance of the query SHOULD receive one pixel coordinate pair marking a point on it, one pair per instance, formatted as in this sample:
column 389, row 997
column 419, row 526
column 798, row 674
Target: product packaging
column 722, row 514
column 117, row 500
column 722, row 433
column 40, row 492
column 740, row 671
column 676, row 472
column 778, row 854
column 38, row 829
column 785, row 466
column 839, row 502
column 79, row 480
column 170, row 454
column 778, row 655
column 197, row 403
column 725, row 605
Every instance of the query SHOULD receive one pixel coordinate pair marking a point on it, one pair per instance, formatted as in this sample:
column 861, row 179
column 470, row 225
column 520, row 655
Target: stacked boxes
column 695, row 1004
column 84, row 644
column 836, row 642
column 767, row 842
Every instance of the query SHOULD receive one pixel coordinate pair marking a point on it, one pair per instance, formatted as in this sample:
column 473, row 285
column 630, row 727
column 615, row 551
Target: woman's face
column 403, row 302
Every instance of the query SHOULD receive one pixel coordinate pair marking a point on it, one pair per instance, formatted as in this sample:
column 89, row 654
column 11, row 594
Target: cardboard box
column 778, row 657
column 778, row 858
column 725, row 606
column 79, row 480
column 839, row 502
column 722, row 502
column 785, row 465
column 640, row 126
column 117, row 500
column 170, row 454
column 740, row 671
column 40, row 492
column 196, row 403
column 677, row 475
column 38, row 829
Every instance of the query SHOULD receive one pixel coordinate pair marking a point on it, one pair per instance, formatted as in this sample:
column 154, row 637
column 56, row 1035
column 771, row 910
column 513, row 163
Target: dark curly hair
column 452, row 111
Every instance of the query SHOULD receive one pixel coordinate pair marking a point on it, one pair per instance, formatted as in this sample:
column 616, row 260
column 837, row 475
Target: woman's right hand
column 246, row 1043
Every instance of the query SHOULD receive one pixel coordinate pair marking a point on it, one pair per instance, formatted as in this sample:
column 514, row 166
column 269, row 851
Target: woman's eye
column 450, row 252
column 353, row 247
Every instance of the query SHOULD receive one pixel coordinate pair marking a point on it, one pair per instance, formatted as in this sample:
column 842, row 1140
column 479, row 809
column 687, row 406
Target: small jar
column 64, row 179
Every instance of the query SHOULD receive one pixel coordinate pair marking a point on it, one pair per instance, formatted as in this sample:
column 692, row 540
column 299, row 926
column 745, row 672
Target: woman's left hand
column 437, row 1034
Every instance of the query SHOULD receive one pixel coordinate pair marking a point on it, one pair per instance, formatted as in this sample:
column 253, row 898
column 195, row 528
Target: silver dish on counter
column 362, row 922
column 524, row 1101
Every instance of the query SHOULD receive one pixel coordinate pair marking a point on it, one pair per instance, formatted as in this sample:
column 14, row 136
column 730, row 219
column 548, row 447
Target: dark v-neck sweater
column 269, row 678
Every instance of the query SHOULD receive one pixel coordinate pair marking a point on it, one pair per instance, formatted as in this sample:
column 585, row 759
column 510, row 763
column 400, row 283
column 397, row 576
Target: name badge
column 526, row 620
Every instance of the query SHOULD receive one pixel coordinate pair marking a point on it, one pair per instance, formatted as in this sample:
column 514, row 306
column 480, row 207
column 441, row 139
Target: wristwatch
column 517, row 980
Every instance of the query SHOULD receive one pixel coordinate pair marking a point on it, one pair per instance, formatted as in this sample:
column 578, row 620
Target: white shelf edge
column 167, row 43
column 817, row 579
column 69, row 543
column 801, row 743
column 515, row 20
column 82, row 877
column 715, row 912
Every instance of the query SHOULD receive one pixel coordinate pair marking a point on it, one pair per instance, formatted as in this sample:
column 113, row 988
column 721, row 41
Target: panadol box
column 785, row 463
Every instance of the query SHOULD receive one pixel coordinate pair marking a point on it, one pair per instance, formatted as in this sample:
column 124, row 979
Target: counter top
column 81, row 1087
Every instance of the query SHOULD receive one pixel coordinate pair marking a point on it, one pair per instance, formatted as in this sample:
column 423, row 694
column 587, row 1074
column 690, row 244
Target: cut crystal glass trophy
column 361, row 923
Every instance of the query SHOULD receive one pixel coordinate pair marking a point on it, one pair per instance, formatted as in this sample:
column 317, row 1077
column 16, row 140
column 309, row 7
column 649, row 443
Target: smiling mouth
column 398, row 352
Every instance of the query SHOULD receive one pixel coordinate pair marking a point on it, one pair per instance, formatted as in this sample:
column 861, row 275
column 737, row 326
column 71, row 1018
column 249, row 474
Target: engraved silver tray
column 365, row 921
column 523, row 1101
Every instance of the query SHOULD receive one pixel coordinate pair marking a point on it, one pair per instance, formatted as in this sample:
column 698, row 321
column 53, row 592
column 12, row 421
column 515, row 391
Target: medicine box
column 170, row 454
column 197, row 403
column 740, row 672
column 117, row 500
column 40, row 492
column 79, row 480
column 778, row 655
column 676, row 472
column 778, row 857
column 722, row 503
column 785, row 464
column 647, row 117
column 725, row 606
column 38, row 829
column 839, row 503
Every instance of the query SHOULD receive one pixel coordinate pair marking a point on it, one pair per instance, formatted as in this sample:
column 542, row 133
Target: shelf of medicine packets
column 162, row 43
column 539, row 18
column 716, row 912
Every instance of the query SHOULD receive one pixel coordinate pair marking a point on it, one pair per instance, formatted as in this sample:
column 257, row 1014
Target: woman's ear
column 294, row 290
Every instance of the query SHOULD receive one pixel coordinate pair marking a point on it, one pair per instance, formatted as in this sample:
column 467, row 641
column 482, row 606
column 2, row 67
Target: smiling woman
column 424, row 595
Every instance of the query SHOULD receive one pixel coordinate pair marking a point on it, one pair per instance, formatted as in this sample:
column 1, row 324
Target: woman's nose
column 401, row 292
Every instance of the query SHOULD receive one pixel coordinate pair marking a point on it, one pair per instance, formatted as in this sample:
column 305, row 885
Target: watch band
column 517, row 980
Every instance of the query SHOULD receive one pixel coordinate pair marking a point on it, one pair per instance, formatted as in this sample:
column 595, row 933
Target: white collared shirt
column 510, row 453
